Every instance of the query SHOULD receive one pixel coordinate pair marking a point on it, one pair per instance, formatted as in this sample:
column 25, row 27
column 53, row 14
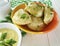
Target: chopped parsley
column 6, row 42
column 23, row 16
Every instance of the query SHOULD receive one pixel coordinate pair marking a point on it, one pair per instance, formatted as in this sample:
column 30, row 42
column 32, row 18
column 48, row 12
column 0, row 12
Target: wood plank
column 35, row 40
column 54, row 37
column 57, row 33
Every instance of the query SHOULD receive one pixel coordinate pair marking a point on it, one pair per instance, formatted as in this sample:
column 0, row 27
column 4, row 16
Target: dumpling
column 48, row 15
column 21, row 17
column 34, row 9
column 36, row 24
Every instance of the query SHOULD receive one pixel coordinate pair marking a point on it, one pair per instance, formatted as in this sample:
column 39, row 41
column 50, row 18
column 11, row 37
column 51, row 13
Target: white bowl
column 13, row 27
column 4, row 8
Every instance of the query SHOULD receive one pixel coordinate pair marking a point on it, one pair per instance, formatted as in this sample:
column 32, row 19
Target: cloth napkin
column 14, row 3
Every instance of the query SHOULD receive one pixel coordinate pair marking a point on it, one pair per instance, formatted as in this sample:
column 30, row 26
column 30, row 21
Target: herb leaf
column 10, row 41
column 23, row 33
column 23, row 16
column 3, row 36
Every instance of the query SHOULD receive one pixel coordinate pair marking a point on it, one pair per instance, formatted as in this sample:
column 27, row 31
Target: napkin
column 14, row 3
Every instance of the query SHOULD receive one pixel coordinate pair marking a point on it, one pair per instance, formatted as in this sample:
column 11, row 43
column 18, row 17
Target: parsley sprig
column 6, row 42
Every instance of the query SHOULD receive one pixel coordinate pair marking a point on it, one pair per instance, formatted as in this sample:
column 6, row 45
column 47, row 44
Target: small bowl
column 4, row 8
column 49, row 27
column 13, row 27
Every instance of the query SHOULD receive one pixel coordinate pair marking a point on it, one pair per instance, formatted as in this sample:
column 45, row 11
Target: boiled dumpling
column 34, row 9
column 48, row 15
column 21, row 17
column 36, row 24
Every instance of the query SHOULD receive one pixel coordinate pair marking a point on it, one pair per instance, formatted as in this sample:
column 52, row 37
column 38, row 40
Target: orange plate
column 48, row 28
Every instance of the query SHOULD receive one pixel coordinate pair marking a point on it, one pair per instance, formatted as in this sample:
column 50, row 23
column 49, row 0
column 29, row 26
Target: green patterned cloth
column 17, row 2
